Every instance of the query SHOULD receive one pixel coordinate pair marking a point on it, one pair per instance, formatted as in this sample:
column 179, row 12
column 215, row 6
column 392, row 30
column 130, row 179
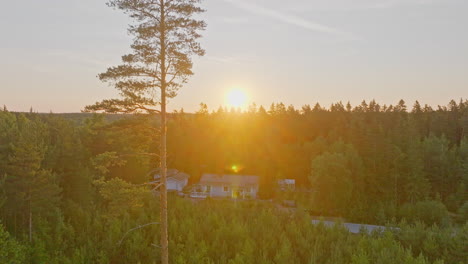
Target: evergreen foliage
column 73, row 192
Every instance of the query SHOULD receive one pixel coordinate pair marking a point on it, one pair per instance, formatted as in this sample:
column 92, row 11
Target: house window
column 208, row 188
column 247, row 189
column 225, row 188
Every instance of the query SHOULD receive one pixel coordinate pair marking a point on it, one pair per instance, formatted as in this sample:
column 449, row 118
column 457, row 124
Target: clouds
column 235, row 20
column 286, row 18
column 356, row 5
column 385, row 4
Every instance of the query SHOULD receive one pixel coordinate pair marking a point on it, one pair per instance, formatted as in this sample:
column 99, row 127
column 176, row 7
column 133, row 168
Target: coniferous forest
column 72, row 186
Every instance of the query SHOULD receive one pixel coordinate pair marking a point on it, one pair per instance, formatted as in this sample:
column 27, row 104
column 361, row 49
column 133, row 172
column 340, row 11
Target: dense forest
column 72, row 187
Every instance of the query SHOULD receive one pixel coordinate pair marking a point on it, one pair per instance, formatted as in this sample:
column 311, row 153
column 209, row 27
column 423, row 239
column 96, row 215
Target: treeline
column 363, row 162
column 70, row 189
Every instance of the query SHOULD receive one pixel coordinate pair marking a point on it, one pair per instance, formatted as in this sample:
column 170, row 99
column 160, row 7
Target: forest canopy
column 72, row 185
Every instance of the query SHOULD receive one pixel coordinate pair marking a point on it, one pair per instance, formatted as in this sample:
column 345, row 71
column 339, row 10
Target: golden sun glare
column 236, row 98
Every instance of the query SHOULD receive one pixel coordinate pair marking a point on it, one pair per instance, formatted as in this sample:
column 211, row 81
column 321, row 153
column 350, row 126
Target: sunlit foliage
column 71, row 189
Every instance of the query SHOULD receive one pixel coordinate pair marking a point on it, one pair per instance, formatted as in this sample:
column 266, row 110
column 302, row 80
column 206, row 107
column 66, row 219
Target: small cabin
column 176, row 180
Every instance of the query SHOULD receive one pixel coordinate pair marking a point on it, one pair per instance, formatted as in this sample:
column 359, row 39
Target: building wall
column 253, row 191
column 173, row 185
column 217, row 190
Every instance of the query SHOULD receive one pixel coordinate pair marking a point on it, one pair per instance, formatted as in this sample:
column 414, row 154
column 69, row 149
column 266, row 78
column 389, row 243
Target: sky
column 296, row 52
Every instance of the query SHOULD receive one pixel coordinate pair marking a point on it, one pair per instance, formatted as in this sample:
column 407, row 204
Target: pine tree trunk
column 164, row 234
column 30, row 224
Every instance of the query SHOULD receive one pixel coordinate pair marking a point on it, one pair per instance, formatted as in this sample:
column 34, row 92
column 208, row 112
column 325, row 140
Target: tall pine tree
column 165, row 38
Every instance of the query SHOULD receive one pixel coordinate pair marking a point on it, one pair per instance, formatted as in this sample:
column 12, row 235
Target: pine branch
column 123, row 106
column 133, row 229
column 139, row 154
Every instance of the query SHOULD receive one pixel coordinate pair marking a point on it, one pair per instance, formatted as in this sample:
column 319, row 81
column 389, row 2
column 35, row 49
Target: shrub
column 428, row 212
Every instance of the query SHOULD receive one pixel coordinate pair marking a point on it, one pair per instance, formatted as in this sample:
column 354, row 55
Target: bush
column 463, row 212
column 10, row 250
column 427, row 212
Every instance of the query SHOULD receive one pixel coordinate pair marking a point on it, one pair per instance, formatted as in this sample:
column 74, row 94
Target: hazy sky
column 296, row 51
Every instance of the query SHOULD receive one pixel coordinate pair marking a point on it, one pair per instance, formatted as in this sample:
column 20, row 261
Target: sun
column 236, row 98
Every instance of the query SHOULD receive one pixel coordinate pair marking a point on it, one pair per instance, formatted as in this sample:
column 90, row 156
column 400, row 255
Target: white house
column 176, row 181
column 226, row 185
column 287, row 184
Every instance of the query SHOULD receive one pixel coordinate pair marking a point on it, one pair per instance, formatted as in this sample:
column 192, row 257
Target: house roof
column 174, row 174
column 179, row 176
column 231, row 179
